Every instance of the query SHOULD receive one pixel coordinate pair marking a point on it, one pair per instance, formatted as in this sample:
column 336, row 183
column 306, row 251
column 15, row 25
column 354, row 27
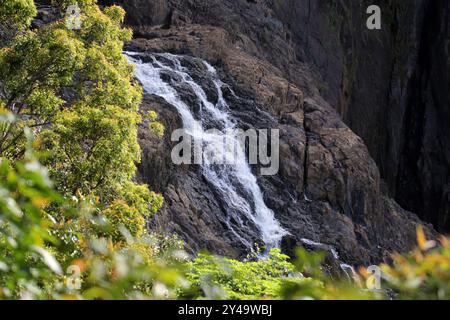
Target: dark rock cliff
column 390, row 86
column 310, row 64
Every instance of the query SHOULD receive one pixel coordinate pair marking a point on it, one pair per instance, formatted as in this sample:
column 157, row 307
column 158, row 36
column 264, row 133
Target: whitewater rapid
column 237, row 184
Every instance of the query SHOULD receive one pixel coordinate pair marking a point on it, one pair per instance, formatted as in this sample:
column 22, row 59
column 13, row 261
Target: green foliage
column 94, row 142
column 322, row 285
column 274, row 277
column 422, row 274
column 33, row 70
column 155, row 126
column 17, row 12
column 129, row 272
column 92, row 149
column 220, row 278
column 25, row 263
column 119, row 213
column 75, row 89
column 141, row 198
column 37, row 251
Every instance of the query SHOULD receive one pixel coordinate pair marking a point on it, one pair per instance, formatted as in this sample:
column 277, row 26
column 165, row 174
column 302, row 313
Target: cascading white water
column 237, row 184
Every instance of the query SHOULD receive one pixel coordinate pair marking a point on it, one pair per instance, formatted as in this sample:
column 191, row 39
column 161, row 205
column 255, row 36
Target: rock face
column 307, row 68
column 144, row 12
column 390, row 86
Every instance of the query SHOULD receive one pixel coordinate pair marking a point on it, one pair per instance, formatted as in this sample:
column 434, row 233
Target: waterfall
column 236, row 183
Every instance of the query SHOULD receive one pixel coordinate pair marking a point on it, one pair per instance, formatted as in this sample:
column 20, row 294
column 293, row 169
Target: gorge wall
column 308, row 67
column 391, row 87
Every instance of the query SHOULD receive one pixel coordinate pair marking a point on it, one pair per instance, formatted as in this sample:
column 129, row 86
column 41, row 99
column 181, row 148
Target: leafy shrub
column 17, row 12
column 230, row 279
column 155, row 126
column 422, row 274
column 25, row 262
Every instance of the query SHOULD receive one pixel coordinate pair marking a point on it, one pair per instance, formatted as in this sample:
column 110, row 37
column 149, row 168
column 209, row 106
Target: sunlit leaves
column 153, row 124
column 422, row 274
column 33, row 70
column 75, row 90
column 422, row 241
column 219, row 278
column 17, row 12
column 24, row 191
